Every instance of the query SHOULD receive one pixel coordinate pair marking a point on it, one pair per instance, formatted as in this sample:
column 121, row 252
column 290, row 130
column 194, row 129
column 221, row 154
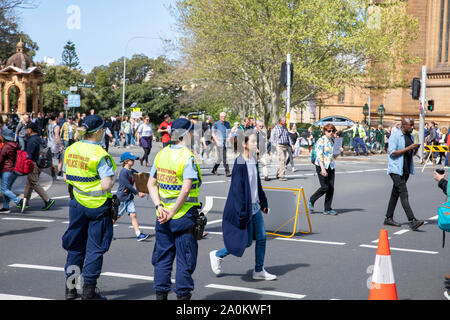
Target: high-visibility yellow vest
column 81, row 160
column 170, row 164
column 361, row 131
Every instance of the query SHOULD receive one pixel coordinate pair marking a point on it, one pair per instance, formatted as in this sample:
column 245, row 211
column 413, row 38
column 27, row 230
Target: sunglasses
column 333, row 131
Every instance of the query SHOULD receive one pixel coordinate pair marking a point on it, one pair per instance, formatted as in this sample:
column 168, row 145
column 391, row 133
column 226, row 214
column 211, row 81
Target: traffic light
column 415, row 88
column 431, row 105
column 283, row 74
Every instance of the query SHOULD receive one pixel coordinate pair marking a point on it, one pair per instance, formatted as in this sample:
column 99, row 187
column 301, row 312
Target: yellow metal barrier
column 436, row 148
column 431, row 150
column 300, row 194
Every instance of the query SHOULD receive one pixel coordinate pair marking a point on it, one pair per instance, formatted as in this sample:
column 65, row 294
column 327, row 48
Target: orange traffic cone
column 383, row 283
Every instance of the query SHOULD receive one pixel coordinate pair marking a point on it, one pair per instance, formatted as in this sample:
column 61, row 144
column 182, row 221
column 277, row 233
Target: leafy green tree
column 10, row 33
column 70, row 56
column 240, row 44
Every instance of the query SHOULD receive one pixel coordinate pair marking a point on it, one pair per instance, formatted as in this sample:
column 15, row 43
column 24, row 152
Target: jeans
column 359, row 141
column 257, row 230
column 399, row 190
column 116, row 137
column 8, row 179
column 127, row 139
column 133, row 141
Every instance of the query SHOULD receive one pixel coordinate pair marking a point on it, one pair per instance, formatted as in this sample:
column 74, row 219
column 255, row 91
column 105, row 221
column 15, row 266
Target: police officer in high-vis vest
column 174, row 187
column 358, row 137
column 90, row 170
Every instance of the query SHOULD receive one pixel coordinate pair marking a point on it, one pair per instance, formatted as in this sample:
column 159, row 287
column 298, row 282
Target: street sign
column 73, row 89
column 74, row 100
column 64, row 92
column 133, row 105
column 82, row 85
column 136, row 115
column 66, row 104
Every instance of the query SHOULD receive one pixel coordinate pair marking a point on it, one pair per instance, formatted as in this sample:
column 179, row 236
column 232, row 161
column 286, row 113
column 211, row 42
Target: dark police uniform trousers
column 87, row 238
column 171, row 241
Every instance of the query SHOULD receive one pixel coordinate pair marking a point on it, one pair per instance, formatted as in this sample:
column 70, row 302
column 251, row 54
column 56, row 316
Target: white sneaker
column 293, row 170
column 215, row 262
column 263, row 275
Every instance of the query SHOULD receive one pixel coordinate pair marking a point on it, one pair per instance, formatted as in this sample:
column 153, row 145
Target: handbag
column 444, row 217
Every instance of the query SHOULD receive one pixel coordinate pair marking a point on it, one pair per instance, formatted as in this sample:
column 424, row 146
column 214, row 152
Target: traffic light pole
column 288, row 91
column 422, row 110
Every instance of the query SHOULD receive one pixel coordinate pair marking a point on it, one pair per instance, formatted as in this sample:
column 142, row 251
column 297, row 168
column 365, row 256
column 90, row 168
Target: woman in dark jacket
column 242, row 217
column 7, row 160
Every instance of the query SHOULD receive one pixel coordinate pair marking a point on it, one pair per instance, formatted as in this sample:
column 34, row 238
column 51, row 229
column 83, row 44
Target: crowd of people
column 75, row 142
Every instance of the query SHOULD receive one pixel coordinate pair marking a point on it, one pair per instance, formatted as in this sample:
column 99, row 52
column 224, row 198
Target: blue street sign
column 65, row 92
column 74, row 100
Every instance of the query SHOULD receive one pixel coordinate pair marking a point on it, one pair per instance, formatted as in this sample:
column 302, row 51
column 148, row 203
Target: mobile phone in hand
column 440, row 171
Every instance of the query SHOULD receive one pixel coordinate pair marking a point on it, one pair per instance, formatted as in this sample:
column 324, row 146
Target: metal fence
column 375, row 142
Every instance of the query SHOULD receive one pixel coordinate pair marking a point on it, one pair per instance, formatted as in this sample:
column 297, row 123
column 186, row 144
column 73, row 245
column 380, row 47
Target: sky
column 100, row 29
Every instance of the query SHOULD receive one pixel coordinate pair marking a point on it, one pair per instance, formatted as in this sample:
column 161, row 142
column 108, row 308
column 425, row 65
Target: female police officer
column 90, row 170
column 174, row 187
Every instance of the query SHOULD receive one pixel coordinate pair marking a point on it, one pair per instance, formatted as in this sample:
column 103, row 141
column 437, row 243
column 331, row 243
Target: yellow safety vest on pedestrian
column 361, row 131
column 170, row 164
column 81, row 160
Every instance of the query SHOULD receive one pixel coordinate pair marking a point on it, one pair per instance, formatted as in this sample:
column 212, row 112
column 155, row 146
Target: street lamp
column 125, row 68
column 381, row 113
column 365, row 112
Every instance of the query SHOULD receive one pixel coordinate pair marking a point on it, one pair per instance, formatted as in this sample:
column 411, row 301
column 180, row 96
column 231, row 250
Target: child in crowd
column 126, row 192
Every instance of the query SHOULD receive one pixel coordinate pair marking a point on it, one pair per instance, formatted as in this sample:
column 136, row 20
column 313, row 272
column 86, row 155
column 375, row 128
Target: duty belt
column 90, row 193
column 174, row 199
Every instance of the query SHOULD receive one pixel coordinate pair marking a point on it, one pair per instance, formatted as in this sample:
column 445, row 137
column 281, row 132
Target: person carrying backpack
column 8, row 156
column 33, row 147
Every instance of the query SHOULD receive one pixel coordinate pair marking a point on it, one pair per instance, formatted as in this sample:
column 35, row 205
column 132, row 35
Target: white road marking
column 402, row 231
column 106, row 274
column 401, row 249
column 29, row 219
column 32, row 266
column 376, row 241
column 214, row 221
column 142, row 227
column 313, row 241
column 209, row 182
column 433, row 218
column 14, row 297
column 257, row 291
column 60, row 197
column 211, row 232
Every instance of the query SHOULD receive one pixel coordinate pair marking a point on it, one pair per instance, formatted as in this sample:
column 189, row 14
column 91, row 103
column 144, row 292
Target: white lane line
column 401, row 249
column 32, row 266
column 214, row 221
column 211, row 232
column 433, row 218
column 209, row 182
column 60, row 197
column 355, row 171
column 106, row 274
column 313, row 241
column 208, row 205
column 14, row 297
column 402, row 231
column 142, row 227
column 257, row 291
column 376, row 241
column 29, row 219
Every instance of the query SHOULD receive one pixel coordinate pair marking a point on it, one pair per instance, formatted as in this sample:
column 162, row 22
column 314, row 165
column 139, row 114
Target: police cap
column 93, row 123
column 182, row 124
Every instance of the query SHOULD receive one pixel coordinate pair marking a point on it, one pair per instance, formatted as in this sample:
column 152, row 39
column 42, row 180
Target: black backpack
column 45, row 157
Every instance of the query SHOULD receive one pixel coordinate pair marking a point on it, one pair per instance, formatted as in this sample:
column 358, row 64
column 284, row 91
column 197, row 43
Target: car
column 337, row 121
